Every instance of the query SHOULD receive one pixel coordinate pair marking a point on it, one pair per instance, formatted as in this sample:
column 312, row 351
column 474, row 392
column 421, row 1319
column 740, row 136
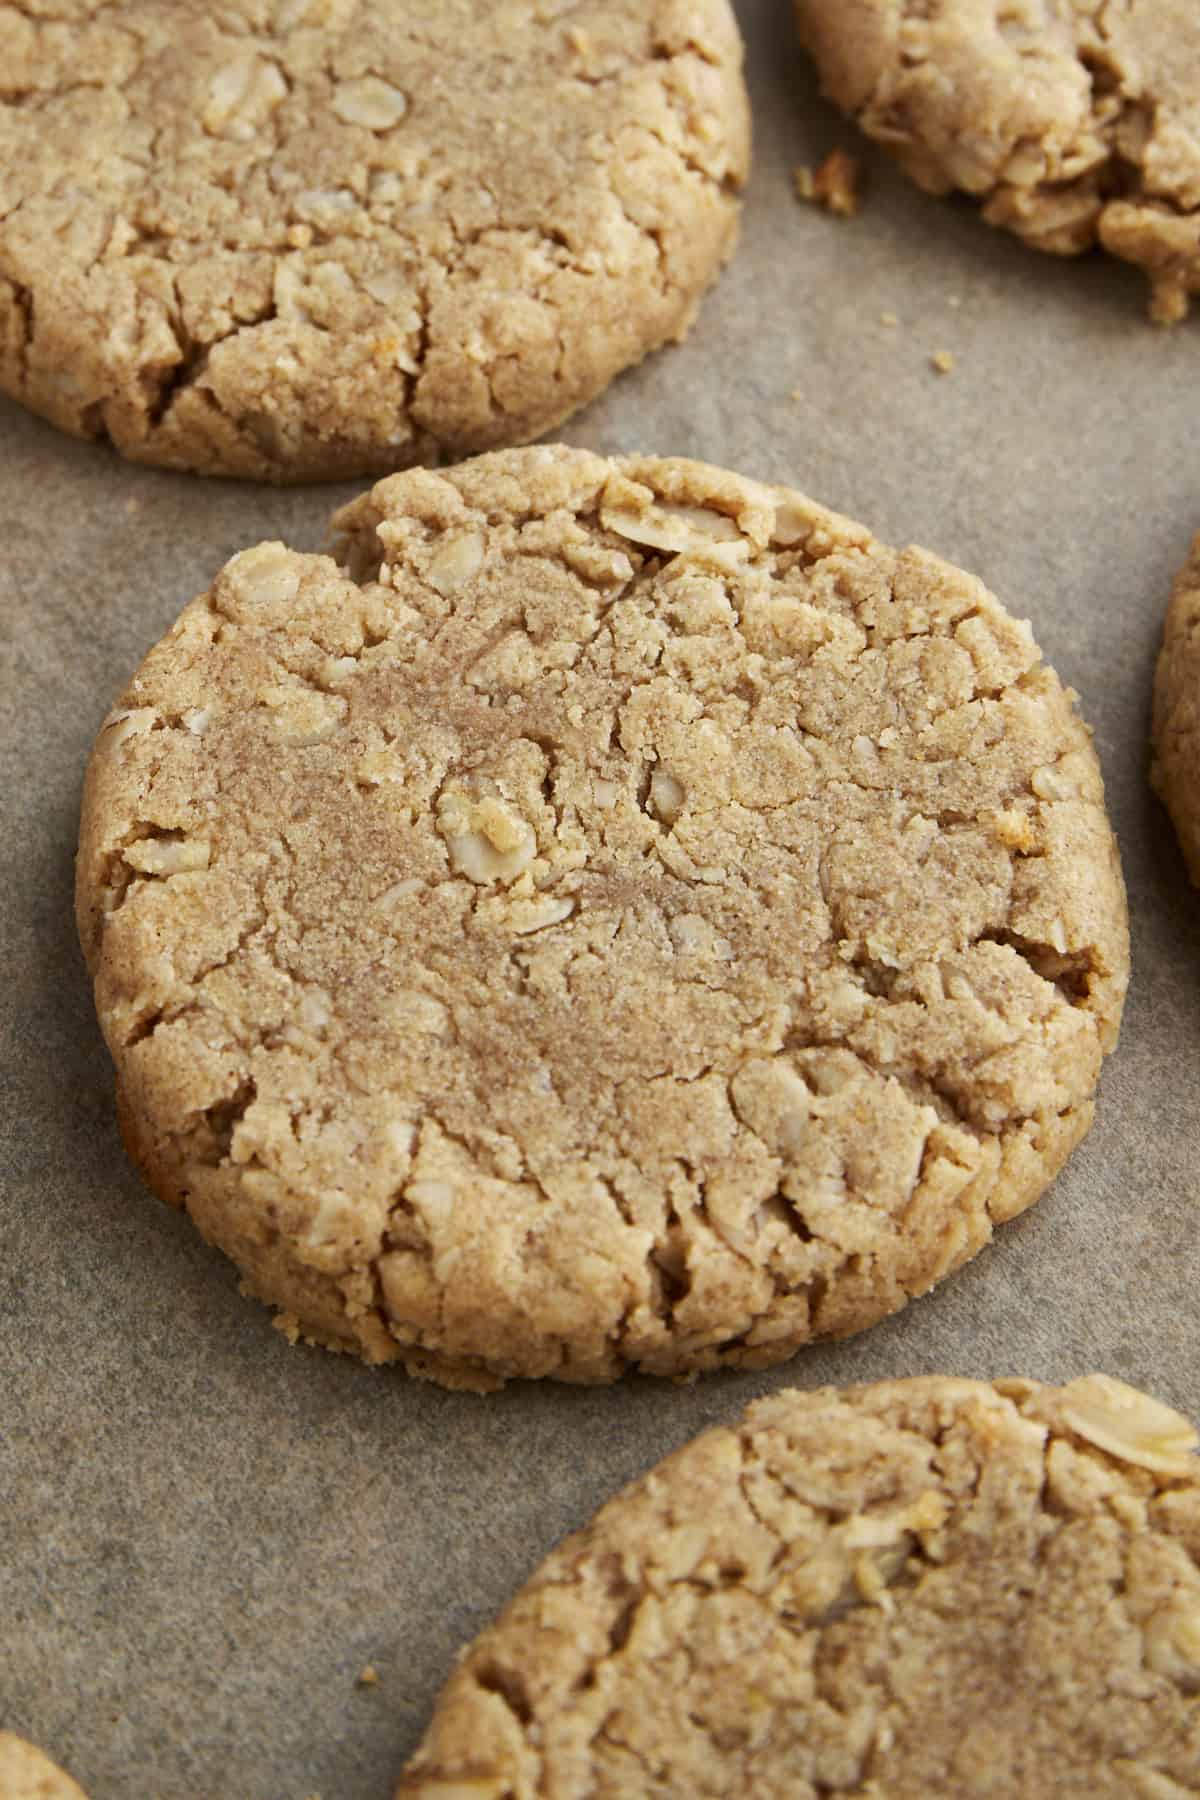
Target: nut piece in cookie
column 311, row 239
column 1072, row 125
column 799, row 1604
column 616, row 916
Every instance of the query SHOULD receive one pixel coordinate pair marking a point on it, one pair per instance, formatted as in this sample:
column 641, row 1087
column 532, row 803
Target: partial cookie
column 25, row 1774
column 302, row 239
column 619, row 916
column 1175, row 737
column 920, row 1589
column 1074, row 123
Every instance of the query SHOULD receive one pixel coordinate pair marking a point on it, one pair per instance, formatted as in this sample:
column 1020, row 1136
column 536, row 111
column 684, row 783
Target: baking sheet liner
column 205, row 1535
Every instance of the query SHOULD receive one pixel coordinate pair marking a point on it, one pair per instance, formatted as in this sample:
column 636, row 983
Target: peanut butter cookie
column 924, row 1588
column 617, row 915
column 303, row 239
column 1175, row 765
column 1073, row 122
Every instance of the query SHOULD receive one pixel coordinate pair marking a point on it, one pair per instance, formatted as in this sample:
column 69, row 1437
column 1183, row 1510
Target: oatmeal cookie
column 1073, row 122
column 932, row 1587
column 616, row 915
column 25, row 1774
column 310, row 239
column 1175, row 764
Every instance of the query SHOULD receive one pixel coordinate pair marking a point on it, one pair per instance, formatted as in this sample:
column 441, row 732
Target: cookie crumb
column 1168, row 303
column 368, row 1676
column 834, row 185
column 943, row 361
column 287, row 1323
column 889, row 319
column 797, row 394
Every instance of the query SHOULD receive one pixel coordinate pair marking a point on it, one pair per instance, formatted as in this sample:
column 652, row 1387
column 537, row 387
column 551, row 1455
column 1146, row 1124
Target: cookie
column 922, row 1588
column 617, row 915
column 25, row 1774
column 309, row 239
column 1072, row 124
column 1175, row 738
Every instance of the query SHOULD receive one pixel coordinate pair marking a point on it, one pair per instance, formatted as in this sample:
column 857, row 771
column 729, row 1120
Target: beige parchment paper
column 205, row 1534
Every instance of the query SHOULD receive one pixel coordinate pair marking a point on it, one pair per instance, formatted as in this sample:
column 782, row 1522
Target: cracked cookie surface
column 1175, row 738
column 1074, row 122
column 310, row 239
column 27, row 1774
column 930, row 1587
column 619, row 915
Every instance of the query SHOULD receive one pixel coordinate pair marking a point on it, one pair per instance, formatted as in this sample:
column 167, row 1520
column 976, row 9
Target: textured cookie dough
column 1175, row 764
column 925, row 1588
column 1075, row 122
column 621, row 916
column 300, row 239
column 25, row 1774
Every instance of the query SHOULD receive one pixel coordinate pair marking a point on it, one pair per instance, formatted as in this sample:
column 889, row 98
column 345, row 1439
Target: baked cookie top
column 618, row 915
column 299, row 239
column 932, row 1587
column 1073, row 121
column 26, row 1774
column 1175, row 763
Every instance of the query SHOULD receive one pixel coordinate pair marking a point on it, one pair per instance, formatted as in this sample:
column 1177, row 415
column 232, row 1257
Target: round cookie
column 1072, row 124
column 1175, row 735
column 25, row 1774
column 932, row 1587
column 309, row 239
column 619, row 915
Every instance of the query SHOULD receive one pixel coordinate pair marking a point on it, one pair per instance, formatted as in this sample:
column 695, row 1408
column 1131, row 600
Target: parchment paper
column 204, row 1534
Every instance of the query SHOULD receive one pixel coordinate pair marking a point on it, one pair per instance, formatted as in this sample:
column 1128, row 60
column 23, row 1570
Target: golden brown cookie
column 1175, row 762
column 25, row 1774
column 920, row 1589
column 618, row 915
column 302, row 239
column 1073, row 122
